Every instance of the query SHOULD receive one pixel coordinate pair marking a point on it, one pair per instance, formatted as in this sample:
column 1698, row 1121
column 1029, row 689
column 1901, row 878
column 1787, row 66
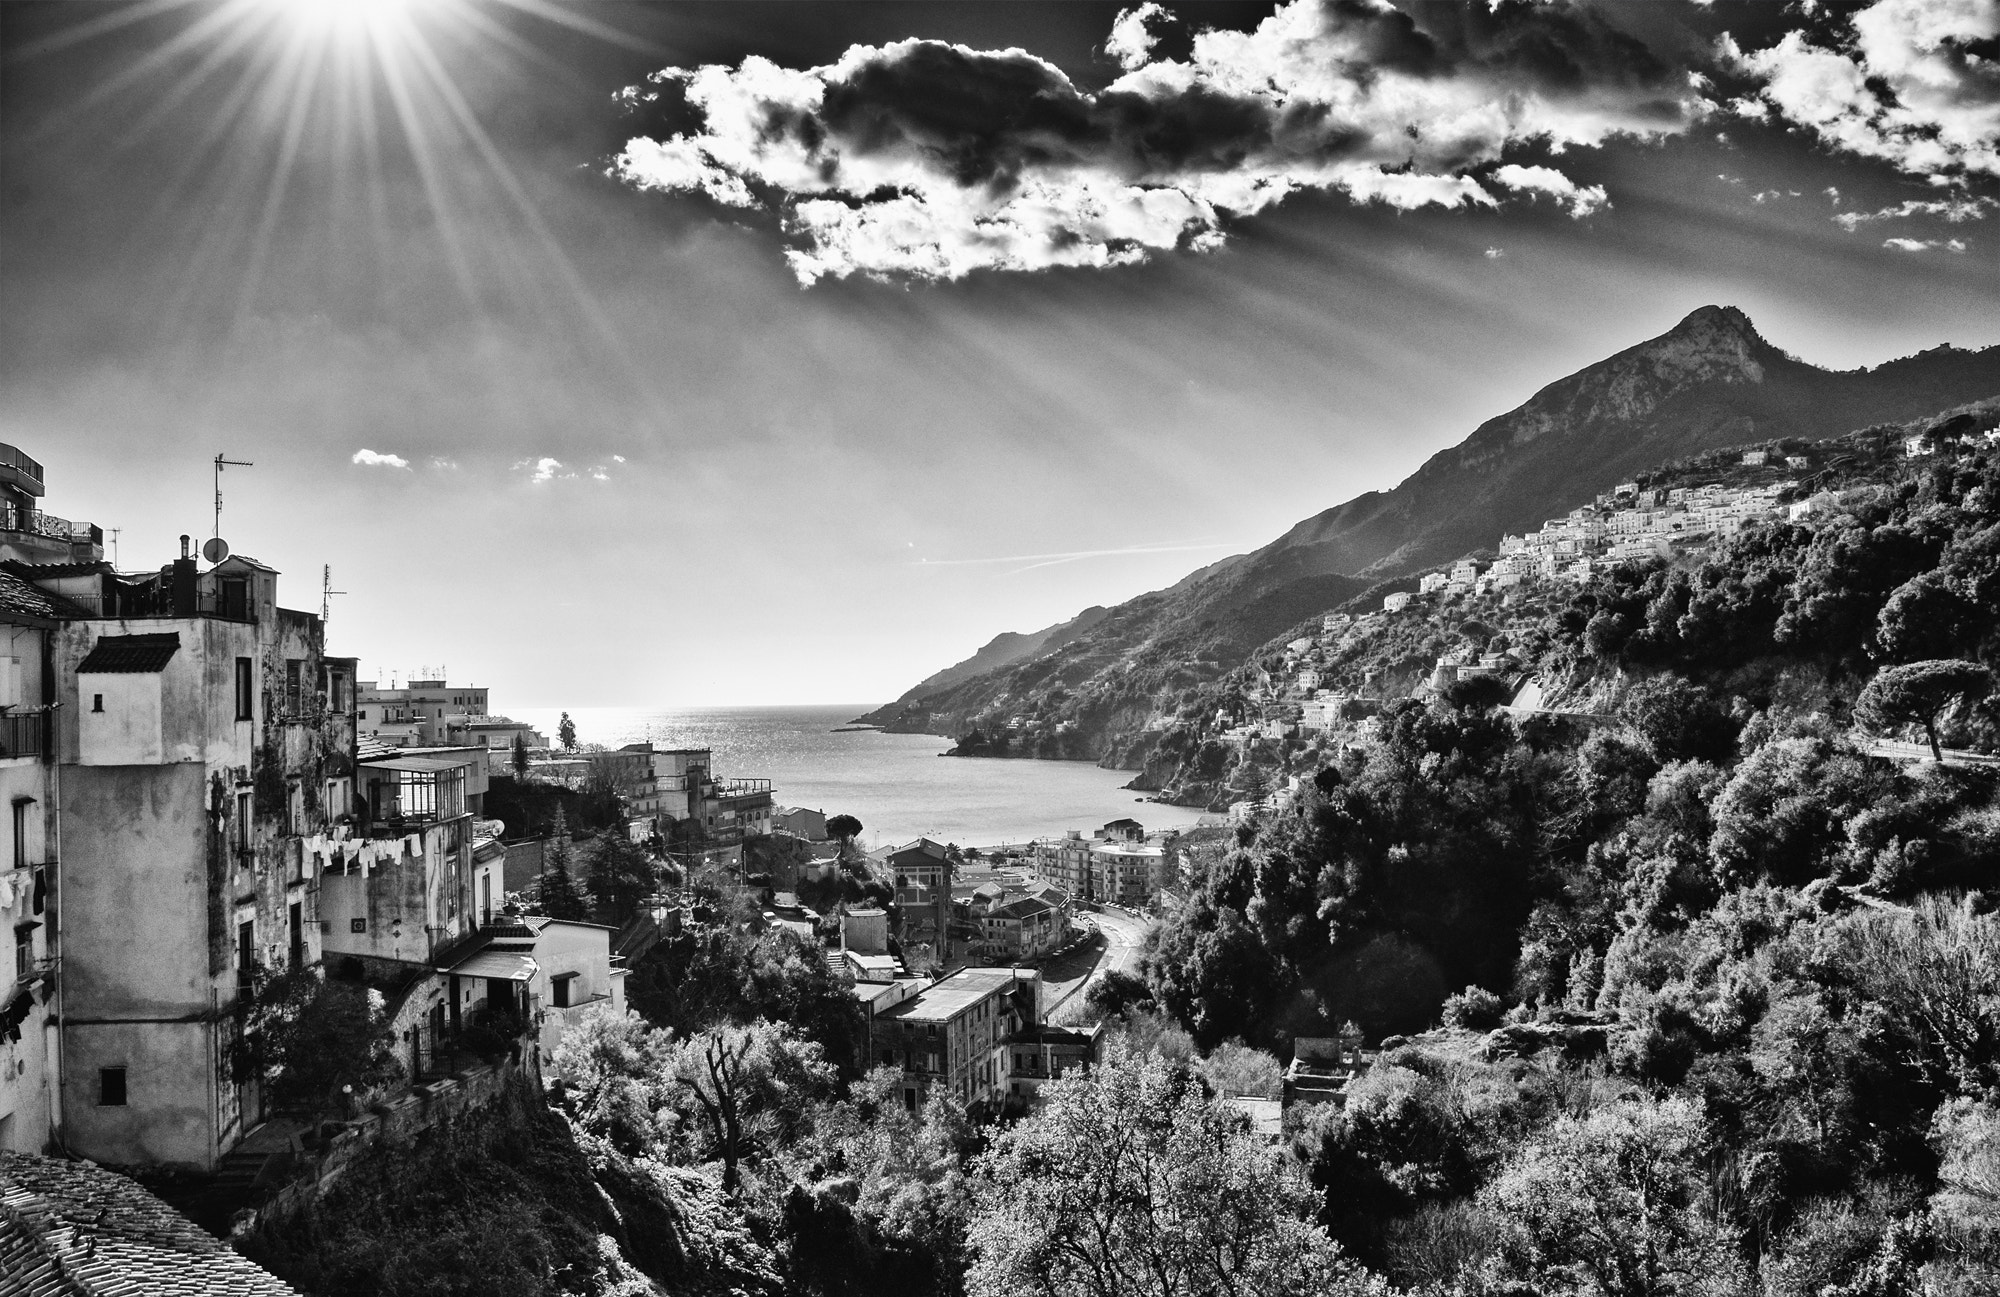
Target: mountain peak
column 1714, row 328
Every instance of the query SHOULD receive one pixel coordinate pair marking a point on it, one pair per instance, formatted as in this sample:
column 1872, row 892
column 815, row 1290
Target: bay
column 895, row 784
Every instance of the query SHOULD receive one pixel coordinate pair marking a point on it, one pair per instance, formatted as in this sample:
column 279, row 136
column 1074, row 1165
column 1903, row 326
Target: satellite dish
column 215, row 549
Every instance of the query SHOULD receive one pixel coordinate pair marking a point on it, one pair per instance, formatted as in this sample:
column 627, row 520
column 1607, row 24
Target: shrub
column 1474, row 1009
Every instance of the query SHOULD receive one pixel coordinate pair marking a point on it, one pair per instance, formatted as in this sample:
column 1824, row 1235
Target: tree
column 1614, row 1203
column 566, row 732
column 845, row 828
column 1133, row 1182
column 313, row 1043
column 520, row 757
column 560, row 897
column 1919, row 693
column 745, row 1089
column 622, row 875
column 1234, row 1068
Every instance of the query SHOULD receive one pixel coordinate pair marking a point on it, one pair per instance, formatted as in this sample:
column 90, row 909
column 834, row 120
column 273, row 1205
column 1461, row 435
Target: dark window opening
column 110, row 1087
column 97, row 702
column 559, row 993
column 246, row 691
column 298, row 934
column 246, row 955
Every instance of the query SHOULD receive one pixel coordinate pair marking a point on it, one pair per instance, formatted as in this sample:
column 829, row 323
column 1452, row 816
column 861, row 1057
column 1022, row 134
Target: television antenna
column 220, row 464
column 326, row 592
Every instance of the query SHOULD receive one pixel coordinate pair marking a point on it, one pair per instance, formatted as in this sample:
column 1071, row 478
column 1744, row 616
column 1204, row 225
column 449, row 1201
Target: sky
column 703, row 354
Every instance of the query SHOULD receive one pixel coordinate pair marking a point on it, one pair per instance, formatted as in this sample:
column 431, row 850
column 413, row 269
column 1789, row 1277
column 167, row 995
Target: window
column 97, row 702
column 246, row 691
column 486, row 897
column 246, row 954
column 559, row 992
column 24, row 950
column 295, row 671
column 243, row 821
column 21, row 805
column 110, row 1087
column 298, row 934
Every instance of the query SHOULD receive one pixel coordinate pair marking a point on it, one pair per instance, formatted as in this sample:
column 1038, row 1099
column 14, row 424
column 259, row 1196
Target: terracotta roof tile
column 75, row 1229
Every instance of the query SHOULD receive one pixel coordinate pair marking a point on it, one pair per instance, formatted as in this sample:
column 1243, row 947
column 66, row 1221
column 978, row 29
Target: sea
column 897, row 785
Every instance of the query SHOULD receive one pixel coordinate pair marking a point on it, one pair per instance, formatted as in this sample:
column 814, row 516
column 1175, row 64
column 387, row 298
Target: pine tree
column 520, row 757
column 560, row 896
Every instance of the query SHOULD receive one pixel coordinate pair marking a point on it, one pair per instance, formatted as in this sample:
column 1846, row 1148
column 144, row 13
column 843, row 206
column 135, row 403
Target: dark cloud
column 933, row 159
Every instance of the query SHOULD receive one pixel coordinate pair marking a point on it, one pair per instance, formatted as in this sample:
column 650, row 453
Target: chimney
column 184, row 586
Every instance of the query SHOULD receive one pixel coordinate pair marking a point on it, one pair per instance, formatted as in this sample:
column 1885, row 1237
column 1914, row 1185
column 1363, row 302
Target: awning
column 500, row 964
column 416, row 765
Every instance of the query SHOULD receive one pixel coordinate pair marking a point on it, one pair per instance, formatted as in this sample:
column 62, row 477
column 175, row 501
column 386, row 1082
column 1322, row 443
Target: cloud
column 1580, row 200
column 1925, row 245
column 1912, row 82
column 545, row 469
column 933, row 160
column 1955, row 210
column 1134, row 34
column 1034, row 561
column 370, row 459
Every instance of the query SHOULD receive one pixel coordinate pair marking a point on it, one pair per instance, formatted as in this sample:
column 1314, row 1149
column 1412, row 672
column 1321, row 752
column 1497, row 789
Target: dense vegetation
column 1732, row 1011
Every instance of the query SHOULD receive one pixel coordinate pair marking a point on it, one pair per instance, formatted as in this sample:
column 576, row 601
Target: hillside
column 1005, row 649
column 1709, row 382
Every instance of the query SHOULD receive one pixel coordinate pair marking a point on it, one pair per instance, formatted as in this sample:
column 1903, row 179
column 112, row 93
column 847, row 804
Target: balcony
column 21, row 735
column 36, row 523
column 18, row 470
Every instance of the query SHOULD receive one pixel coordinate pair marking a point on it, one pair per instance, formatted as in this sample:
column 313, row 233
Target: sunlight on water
column 895, row 784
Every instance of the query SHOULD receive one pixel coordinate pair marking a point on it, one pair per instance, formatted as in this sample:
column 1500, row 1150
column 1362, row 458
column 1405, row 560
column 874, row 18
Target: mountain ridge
column 1711, row 381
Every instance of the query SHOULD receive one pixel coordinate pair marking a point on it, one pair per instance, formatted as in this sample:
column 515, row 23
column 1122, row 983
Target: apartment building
column 28, row 788
column 951, row 1037
column 203, row 734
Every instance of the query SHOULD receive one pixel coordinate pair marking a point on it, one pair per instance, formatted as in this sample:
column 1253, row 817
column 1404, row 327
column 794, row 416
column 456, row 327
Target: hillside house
column 1040, row 1053
column 921, row 873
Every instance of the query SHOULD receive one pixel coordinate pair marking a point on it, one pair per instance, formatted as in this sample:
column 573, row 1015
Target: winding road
column 1121, row 936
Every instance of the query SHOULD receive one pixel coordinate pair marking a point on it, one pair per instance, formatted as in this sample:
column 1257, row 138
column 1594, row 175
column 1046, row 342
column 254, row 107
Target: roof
column 246, row 561
column 505, row 965
column 922, row 846
column 945, row 1000
column 122, row 654
column 75, row 1229
column 1025, row 908
column 27, row 599
column 414, row 765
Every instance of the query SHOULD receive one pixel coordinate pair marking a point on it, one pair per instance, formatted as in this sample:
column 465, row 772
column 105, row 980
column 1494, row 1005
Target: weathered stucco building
column 203, row 735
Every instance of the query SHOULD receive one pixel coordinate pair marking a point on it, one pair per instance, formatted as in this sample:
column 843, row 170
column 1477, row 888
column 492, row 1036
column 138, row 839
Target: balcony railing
column 36, row 523
column 21, row 735
column 152, row 602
